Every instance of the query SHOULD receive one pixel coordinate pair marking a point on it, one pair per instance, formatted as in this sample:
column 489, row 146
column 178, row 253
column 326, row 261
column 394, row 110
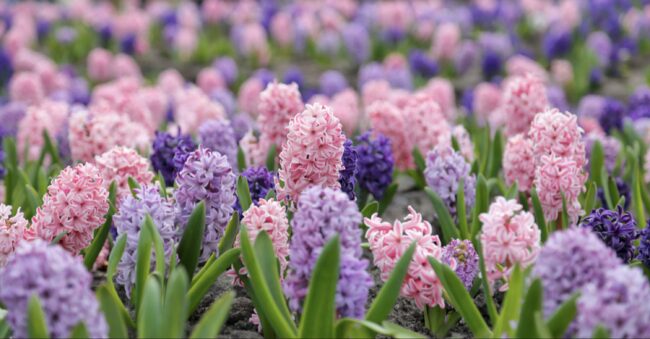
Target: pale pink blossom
column 428, row 127
column 26, row 87
column 523, row 98
column 48, row 116
column 442, row 91
column 192, row 107
column 255, row 150
column 345, row 105
column 170, row 81
column 387, row 119
column 100, row 65
column 282, row 29
column 121, row 163
column 12, row 228
column 248, row 97
column 375, row 90
column 562, row 71
column 464, row 141
column 519, row 162
column 278, row 104
column 185, row 42
column 125, row 66
column 519, row 65
column 555, row 176
column 487, row 99
column 446, row 40
column 557, row 133
column 209, row 79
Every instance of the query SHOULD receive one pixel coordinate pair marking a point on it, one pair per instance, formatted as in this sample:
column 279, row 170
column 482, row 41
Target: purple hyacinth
column 422, row 64
column 332, row 82
column 639, row 103
column 557, row 98
column 294, row 74
column 227, row 67
column 617, row 302
column 445, row 168
column 557, row 41
column 129, row 219
column 370, row 71
column 623, row 191
column 644, row 246
column 241, row 123
column 62, row 285
column 169, row 154
column 260, row 182
column 323, row 213
column 611, row 149
column 374, row 164
column 613, row 114
column 569, row 260
column 206, row 176
column 219, row 136
column 463, row 254
column 591, row 106
column 226, row 99
column 10, row 115
column 357, row 41
column 615, row 228
column 346, row 175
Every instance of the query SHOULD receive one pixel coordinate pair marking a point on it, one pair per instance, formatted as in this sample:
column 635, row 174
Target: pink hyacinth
column 557, row 133
column 389, row 242
column 562, row 72
column 519, row 162
column 375, row 90
column 519, row 65
column 442, row 91
column 446, row 41
column 524, row 97
column 48, row 116
column 388, row 120
column 509, row 236
column 311, row 156
column 255, row 149
column 76, row 202
column 248, row 97
column 466, row 146
column 278, row 104
column 120, row 163
column 11, row 231
column 428, row 126
column 100, row 65
column 210, row 79
column 345, row 105
column 268, row 216
column 26, row 87
column 125, row 67
column 556, row 175
column 192, row 107
column 95, row 132
column 487, row 98
column 170, row 81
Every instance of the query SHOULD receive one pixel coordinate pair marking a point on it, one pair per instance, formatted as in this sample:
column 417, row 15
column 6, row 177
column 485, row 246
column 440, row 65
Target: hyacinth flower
column 60, row 282
column 321, row 214
column 312, row 155
column 219, row 136
column 616, row 228
column 278, row 104
column 121, row 163
column 523, row 98
column 12, row 229
column 519, row 162
column 128, row 221
column 260, row 182
column 375, row 164
column 347, row 177
column 76, row 204
column 169, row 154
column 206, row 176
column 462, row 255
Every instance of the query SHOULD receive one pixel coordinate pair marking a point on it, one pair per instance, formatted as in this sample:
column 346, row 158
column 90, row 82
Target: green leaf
column 614, row 195
column 511, row 307
column 58, row 237
column 460, row 299
column 243, row 193
column 211, row 322
column 33, row 197
column 270, row 195
column 36, row 324
column 133, row 185
column 512, row 191
column 400, row 332
column 485, row 285
column 600, row 333
column 540, row 326
column 590, row 198
column 559, row 322
column 92, row 251
column 496, row 154
column 597, row 162
column 149, row 320
column 460, row 209
column 270, row 158
column 565, row 214
column 241, row 159
column 79, row 332
column 175, row 308
column 319, row 312
column 142, row 266
column 454, row 144
column 388, row 294
column 420, row 163
column 158, row 245
column 449, row 231
column 539, row 214
column 50, row 147
column 389, row 194
column 356, row 328
column 210, row 275
column 532, row 304
column 481, row 205
column 112, row 313
column 162, row 186
column 229, row 236
column 189, row 248
column 370, row 209
column 115, row 256
column 264, row 302
column 5, row 329
column 637, row 198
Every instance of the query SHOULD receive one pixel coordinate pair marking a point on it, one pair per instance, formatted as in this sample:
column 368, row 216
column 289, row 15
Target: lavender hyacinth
column 374, row 164
column 323, row 213
column 611, row 149
column 260, row 182
column 616, row 228
column 463, row 254
column 219, row 136
column 357, row 41
column 332, row 82
column 346, row 175
column 639, row 103
column 169, row 154
column 617, row 302
column 644, row 246
column 569, row 260
column 445, row 168
column 62, row 285
column 129, row 219
column 206, row 176
column 10, row 115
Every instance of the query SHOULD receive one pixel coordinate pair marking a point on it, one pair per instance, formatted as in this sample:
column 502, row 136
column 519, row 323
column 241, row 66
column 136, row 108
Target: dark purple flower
column 615, row 228
column 260, row 182
column 10, row 115
column 375, row 164
column 293, row 74
column 6, row 67
column 467, row 100
column 491, row 64
column 639, row 103
column 557, row 42
column 422, row 64
column 623, row 191
column 346, row 175
column 264, row 75
column 127, row 44
column 445, row 168
column 462, row 253
column 613, row 114
column 169, row 154
column 644, row 246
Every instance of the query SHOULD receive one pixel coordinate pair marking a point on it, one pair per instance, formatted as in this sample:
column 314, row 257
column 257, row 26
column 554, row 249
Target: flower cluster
column 557, row 133
column 445, row 168
column 428, row 124
column 611, row 149
column 169, row 154
column 62, row 285
column 509, row 236
column 129, row 219
column 219, row 136
column 462, row 255
column 321, row 214
column 206, row 176
column 76, row 203
column 121, row 163
column 523, row 98
column 12, row 229
column 519, row 162
column 388, row 242
column 278, row 104
column 615, row 228
column 556, row 176
column 644, row 246
column 386, row 119
column 374, row 164
column 313, row 152
column 347, row 177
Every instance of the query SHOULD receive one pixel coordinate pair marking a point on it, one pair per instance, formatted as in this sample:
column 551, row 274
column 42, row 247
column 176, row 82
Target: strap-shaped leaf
column 460, row 299
column 370, row 209
column 158, row 245
column 92, row 251
column 36, row 324
column 270, row 158
column 449, row 231
column 210, row 275
column 241, row 159
column 112, row 312
column 539, row 214
column 389, row 194
column 388, row 294
column 481, row 205
column 133, row 185
column 589, row 202
column 559, row 321
column 229, row 236
column 79, row 332
column 142, row 266
column 189, row 248
column 532, row 304
column 637, row 199
column 243, row 193
column 319, row 312
column 211, row 322
column 115, row 256
column 600, row 332
column 496, row 154
column 597, row 163
column 175, row 308
column 510, row 310
column 149, row 320
column 461, row 213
